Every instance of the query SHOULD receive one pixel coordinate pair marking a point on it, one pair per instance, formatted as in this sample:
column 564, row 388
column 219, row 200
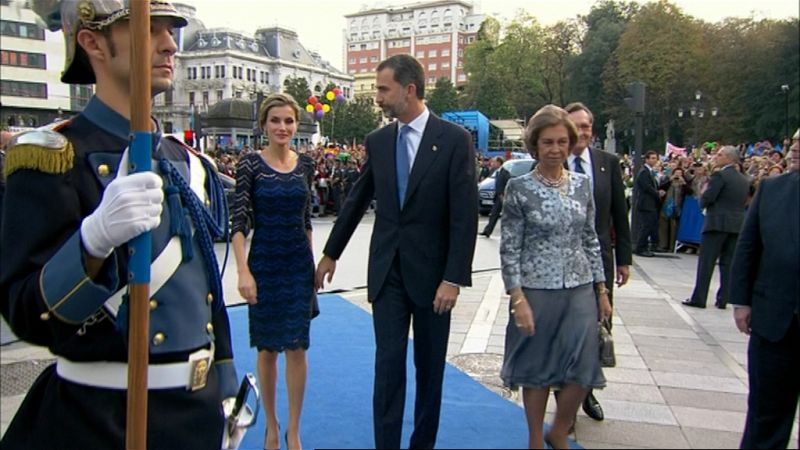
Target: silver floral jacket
column 549, row 241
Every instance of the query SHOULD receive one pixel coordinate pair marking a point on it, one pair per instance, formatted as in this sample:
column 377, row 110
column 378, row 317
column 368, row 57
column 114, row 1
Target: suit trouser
column 648, row 229
column 497, row 208
column 392, row 314
column 774, row 372
column 714, row 245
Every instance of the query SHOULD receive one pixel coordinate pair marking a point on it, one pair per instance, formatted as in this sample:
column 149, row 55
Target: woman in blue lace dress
column 553, row 272
column 273, row 195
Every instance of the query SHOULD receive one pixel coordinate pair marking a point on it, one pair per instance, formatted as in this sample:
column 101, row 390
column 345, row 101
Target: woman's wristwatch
column 601, row 289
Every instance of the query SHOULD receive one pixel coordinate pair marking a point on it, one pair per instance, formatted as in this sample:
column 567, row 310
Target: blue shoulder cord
column 209, row 225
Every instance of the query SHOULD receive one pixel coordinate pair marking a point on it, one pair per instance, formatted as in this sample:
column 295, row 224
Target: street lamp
column 697, row 111
column 785, row 92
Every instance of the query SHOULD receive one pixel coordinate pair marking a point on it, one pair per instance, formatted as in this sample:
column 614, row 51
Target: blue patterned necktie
column 578, row 165
column 403, row 164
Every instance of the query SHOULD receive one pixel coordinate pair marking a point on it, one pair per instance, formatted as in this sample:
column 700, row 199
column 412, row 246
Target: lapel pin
column 602, row 169
column 434, row 148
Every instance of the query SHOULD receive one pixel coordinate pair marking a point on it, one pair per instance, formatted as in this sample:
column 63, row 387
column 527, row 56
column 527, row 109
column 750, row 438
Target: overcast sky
column 319, row 23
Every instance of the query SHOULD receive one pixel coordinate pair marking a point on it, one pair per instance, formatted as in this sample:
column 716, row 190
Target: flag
column 674, row 149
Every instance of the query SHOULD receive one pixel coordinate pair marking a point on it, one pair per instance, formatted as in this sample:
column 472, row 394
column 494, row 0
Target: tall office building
column 435, row 32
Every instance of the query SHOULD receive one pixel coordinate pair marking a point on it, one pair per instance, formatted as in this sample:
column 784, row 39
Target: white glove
column 131, row 205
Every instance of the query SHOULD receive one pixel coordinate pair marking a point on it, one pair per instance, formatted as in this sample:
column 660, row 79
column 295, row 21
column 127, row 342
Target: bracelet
column 602, row 290
column 515, row 303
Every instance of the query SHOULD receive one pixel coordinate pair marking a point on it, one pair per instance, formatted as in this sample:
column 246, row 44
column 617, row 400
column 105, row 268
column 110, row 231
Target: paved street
column 680, row 380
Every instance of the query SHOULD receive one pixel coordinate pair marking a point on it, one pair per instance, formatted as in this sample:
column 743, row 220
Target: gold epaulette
column 43, row 150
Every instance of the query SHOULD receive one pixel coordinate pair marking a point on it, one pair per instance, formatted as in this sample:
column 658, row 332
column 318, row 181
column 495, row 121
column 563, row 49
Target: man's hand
column 130, row 206
column 326, row 266
column 662, row 192
column 741, row 315
column 446, row 297
column 603, row 307
column 623, row 273
column 247, row 287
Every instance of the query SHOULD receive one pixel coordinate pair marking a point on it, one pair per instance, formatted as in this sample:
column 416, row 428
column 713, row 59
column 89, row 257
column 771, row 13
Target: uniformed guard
column 70, row 209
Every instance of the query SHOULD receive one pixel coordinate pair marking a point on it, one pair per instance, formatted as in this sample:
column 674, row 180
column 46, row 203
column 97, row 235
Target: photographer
column 671, row 210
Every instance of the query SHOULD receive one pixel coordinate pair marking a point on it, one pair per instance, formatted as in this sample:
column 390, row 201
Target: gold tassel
column 43, row 159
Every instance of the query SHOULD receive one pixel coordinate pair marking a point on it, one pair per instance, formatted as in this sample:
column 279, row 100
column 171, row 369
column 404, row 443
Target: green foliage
column 350, row 120
column 443, row 97
column 298, row 88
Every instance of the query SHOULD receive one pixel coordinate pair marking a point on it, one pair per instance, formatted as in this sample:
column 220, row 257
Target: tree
column 443, row 98
column 356, row 119
column 560, row 46
column 298, row 88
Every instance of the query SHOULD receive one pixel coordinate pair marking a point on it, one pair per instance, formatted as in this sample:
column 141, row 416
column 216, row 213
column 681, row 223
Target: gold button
column 210, row 328
column 45, row 316
column 210, row 298
column 159, row 339
column 103, row 170
column 153, row 304
column 208, row 203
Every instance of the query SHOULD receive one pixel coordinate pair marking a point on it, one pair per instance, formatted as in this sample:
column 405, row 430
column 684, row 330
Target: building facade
column 31, row 61
column 219, row 64
column 435, row 32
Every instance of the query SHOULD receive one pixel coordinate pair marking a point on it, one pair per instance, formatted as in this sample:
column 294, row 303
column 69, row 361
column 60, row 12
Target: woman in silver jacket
column 554, row 274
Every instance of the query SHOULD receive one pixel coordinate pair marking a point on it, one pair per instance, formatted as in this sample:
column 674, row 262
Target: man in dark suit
column 724, row 201
column 421, row 170
column 766, row 299
column 611, row 211
column 648, row 203
column 500, row 182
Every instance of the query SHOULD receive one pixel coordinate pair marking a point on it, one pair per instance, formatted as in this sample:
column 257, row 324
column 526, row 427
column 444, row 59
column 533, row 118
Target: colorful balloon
column 330, row 95
column 313, row 100
column 337, row 91
column 318, row 106
column 340, row 98
column 320, row 114
column 326, row 108
column 310, row 108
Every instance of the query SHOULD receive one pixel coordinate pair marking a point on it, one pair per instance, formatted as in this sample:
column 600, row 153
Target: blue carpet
column 337, row 412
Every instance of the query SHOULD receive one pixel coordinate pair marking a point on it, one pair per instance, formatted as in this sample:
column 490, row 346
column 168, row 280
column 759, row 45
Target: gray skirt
column 564, row 348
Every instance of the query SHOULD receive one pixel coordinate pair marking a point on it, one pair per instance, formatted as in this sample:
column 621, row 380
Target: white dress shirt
column 414, row 136
column 586, row 163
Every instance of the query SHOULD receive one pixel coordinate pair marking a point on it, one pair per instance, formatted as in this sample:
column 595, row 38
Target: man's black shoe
column 646, row 253
column 592, row 407
column 485, row 234
column 689, row 302
column 721, row 305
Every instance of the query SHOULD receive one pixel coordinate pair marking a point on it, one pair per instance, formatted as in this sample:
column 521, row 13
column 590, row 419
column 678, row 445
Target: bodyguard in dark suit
column 766, row 298
column 724, row 201
column 648, row 203
column 611, row 212
column 421, row 171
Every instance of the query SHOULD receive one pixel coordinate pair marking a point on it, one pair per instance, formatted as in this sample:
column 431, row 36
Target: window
column 432, row 66
column 446, row 52
column 219, row 71
column 191, row 98
column 362, row 60
column 462, row 77
column 373, row 59
column 432, row 54
column 421, row 54
column 445, row 65
column 23, row 59
column 219, row 95
column 205, row 97
column 432, row 80
column 352, row 61
column 168, row 96
column 23, row 89
column 191, row 73
column 21, row 30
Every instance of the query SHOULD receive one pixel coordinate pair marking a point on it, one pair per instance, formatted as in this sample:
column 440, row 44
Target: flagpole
column 139, row 158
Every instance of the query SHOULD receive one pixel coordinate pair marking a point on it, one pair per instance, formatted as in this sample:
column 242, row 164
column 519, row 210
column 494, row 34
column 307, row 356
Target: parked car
column 515, row 168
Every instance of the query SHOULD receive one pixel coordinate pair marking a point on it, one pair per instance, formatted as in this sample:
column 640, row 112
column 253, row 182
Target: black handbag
column 606, row 344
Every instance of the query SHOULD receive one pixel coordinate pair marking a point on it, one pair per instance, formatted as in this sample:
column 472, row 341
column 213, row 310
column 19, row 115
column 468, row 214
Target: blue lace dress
column 277, row 205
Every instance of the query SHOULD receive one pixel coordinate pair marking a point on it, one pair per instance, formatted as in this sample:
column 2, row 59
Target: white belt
column 191, row 374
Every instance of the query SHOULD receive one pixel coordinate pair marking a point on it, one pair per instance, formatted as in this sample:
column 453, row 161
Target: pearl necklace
column 549, row 182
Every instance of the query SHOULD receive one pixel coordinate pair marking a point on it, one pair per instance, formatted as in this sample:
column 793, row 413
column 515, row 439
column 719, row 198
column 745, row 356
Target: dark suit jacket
column 434, row 234
column 724, row 200
column 647, row 198
column 767, row 260
column 611, row 210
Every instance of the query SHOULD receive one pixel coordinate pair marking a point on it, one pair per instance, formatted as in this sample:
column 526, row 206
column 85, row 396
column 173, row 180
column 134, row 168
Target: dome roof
column 231, row 108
